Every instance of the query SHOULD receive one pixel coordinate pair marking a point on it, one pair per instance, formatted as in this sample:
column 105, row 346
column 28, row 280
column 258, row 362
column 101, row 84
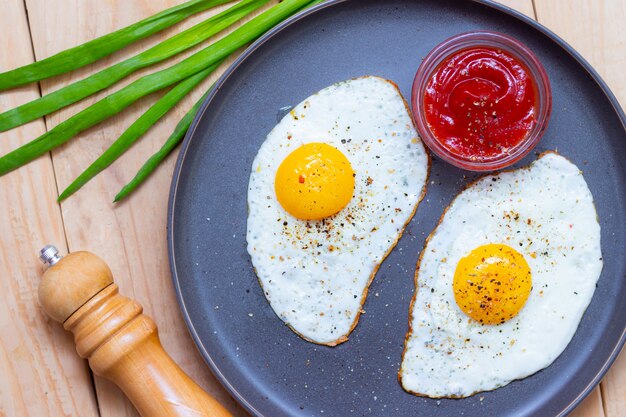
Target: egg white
column 315, row 274
column 546, row 213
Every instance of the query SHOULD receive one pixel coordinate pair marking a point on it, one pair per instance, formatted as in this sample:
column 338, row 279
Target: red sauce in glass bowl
column 481, row 100
column 480, row 103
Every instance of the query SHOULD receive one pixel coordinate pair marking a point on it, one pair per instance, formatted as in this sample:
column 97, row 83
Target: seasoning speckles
column 546, row 214
column 314, row 273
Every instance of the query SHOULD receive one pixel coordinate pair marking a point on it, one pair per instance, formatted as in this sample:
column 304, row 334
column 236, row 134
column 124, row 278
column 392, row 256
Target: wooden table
column 40, row 373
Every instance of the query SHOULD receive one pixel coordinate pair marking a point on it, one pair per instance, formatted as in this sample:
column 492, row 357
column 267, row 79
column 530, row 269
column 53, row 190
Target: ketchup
column 480, row 103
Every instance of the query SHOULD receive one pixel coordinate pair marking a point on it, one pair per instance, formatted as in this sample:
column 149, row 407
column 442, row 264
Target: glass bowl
column 488, row 39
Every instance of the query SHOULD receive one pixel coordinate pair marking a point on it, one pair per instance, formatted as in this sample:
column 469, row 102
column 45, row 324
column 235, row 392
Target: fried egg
column 503, row 281
column 331, row 190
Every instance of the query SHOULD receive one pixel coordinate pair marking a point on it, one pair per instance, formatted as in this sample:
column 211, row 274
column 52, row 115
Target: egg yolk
column 492, row 283
column 314, row 181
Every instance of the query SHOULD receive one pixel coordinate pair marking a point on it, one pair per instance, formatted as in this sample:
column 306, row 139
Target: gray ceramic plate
column 269, row 369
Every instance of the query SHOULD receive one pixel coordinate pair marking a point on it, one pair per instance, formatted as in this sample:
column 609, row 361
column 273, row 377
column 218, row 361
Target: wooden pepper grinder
column 119, row 341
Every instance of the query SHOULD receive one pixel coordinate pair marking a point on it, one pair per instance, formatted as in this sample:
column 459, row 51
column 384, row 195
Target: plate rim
column 215, row 88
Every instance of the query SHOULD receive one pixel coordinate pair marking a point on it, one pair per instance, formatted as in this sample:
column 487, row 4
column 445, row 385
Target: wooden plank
column 595, row 29
column 130, row 236
column 41, row 374
column 614, row 388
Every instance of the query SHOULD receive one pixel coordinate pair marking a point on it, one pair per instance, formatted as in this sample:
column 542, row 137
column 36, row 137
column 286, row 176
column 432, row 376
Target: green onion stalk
column 172, row 141
column 184, row 76
column 170, row 144
column 137, row 129
column 98, row 48
column 109, row 76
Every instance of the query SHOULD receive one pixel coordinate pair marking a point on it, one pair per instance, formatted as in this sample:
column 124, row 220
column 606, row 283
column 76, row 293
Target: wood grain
column 595, row 29
column 49, row 378
column 40, row 373
column 123, row 346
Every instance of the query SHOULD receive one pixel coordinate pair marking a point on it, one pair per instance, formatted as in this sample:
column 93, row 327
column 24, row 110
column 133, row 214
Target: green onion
column 98, row 48
column 123, row 98
column 136, row 130
column 151, row 164
column 109, row 76
column 170, row 144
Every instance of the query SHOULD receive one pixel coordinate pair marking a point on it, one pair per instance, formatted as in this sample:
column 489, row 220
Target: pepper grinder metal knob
column 49, row 255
